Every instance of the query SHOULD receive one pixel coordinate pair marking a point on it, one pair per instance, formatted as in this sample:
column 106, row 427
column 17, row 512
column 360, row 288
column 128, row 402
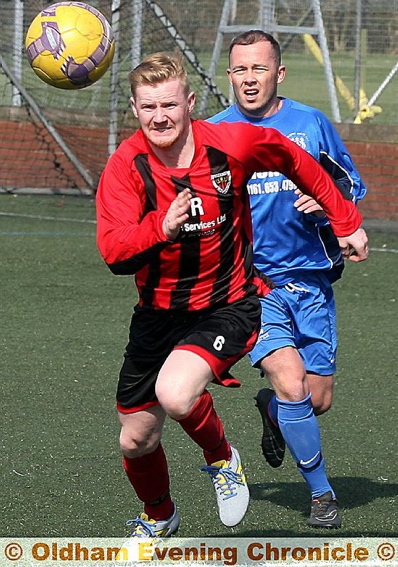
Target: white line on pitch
column 39, row 217
column 392, row 250
column 90, row 221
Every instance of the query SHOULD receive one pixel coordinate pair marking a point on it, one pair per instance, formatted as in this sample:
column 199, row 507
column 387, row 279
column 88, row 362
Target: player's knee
column 322, row 405
column 174, row 407
column 321, row 388
column 132, row 445
column 289, row 387
column 176, row 403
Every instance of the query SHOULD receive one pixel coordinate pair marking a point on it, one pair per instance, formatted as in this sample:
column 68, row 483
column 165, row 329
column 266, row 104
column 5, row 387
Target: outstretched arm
column 355, row 247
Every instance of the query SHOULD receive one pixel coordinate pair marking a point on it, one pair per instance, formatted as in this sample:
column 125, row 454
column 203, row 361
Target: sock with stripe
column 300, row 430
column 149, row 476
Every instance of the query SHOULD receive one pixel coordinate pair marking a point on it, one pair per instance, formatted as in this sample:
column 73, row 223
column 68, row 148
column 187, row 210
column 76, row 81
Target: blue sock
column 300, row 430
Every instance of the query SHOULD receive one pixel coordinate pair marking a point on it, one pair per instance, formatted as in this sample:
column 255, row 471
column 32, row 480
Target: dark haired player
column 295, row 246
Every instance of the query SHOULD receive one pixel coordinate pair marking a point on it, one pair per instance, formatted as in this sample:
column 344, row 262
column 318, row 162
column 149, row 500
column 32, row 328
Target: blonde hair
column 158, row 68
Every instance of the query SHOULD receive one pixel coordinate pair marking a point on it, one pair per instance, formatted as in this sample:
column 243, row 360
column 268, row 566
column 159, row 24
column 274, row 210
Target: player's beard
column 164, row 144
column 158, row 142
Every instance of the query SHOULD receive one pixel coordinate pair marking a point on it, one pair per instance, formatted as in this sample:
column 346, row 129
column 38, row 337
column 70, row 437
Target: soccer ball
column 70, row 45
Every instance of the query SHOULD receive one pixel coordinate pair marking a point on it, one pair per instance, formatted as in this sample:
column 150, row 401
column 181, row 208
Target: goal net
column 56, row 141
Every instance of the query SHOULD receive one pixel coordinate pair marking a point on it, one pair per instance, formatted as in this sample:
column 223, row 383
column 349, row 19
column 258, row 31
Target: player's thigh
column 321, row 388
column 276, row 330
column 153, row 335
column 223, row 336
column 211, row 344
column 181, row 381
column 313, row 317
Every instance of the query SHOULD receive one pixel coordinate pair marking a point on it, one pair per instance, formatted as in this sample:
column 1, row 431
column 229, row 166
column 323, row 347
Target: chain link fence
column 61, row 139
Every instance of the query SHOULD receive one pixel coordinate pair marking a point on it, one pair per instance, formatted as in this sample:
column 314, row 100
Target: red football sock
column 149, row 477
column 204, row 427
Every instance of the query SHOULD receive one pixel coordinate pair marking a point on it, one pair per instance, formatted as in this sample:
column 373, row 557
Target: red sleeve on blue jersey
column 211, row 261
column 262, row 149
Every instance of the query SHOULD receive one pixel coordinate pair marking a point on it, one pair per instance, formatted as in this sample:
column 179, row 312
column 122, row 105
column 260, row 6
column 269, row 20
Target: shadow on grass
column 353, row 492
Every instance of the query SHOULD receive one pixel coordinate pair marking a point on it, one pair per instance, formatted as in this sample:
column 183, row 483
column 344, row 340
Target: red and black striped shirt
column 210, row 263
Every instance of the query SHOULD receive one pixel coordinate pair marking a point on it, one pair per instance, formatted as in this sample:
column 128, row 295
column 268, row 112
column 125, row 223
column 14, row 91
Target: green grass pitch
column 64, row 326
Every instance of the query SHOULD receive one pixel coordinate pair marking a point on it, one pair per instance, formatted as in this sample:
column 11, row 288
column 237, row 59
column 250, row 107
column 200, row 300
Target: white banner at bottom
column 239, row 552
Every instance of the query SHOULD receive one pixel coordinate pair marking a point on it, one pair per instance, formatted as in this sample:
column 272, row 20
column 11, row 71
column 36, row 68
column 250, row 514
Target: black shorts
column 221, row 336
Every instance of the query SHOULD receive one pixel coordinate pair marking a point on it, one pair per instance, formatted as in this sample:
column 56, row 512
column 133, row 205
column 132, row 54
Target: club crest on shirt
column 300, row 138
column 221, row 181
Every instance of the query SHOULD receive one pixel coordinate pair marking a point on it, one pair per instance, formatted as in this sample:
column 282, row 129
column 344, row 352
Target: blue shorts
column 301, row 314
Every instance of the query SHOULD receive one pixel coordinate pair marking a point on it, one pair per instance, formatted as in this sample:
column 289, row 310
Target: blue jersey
column 288, row 243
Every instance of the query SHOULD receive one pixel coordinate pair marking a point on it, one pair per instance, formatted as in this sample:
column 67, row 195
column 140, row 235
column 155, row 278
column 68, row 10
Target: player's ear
column 191, row 101
column 229, row 75
column 133, row 107
column 281, row 73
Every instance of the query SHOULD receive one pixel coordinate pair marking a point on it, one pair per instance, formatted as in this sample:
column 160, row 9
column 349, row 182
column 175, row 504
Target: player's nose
column 250, row 78
column 159, row 115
